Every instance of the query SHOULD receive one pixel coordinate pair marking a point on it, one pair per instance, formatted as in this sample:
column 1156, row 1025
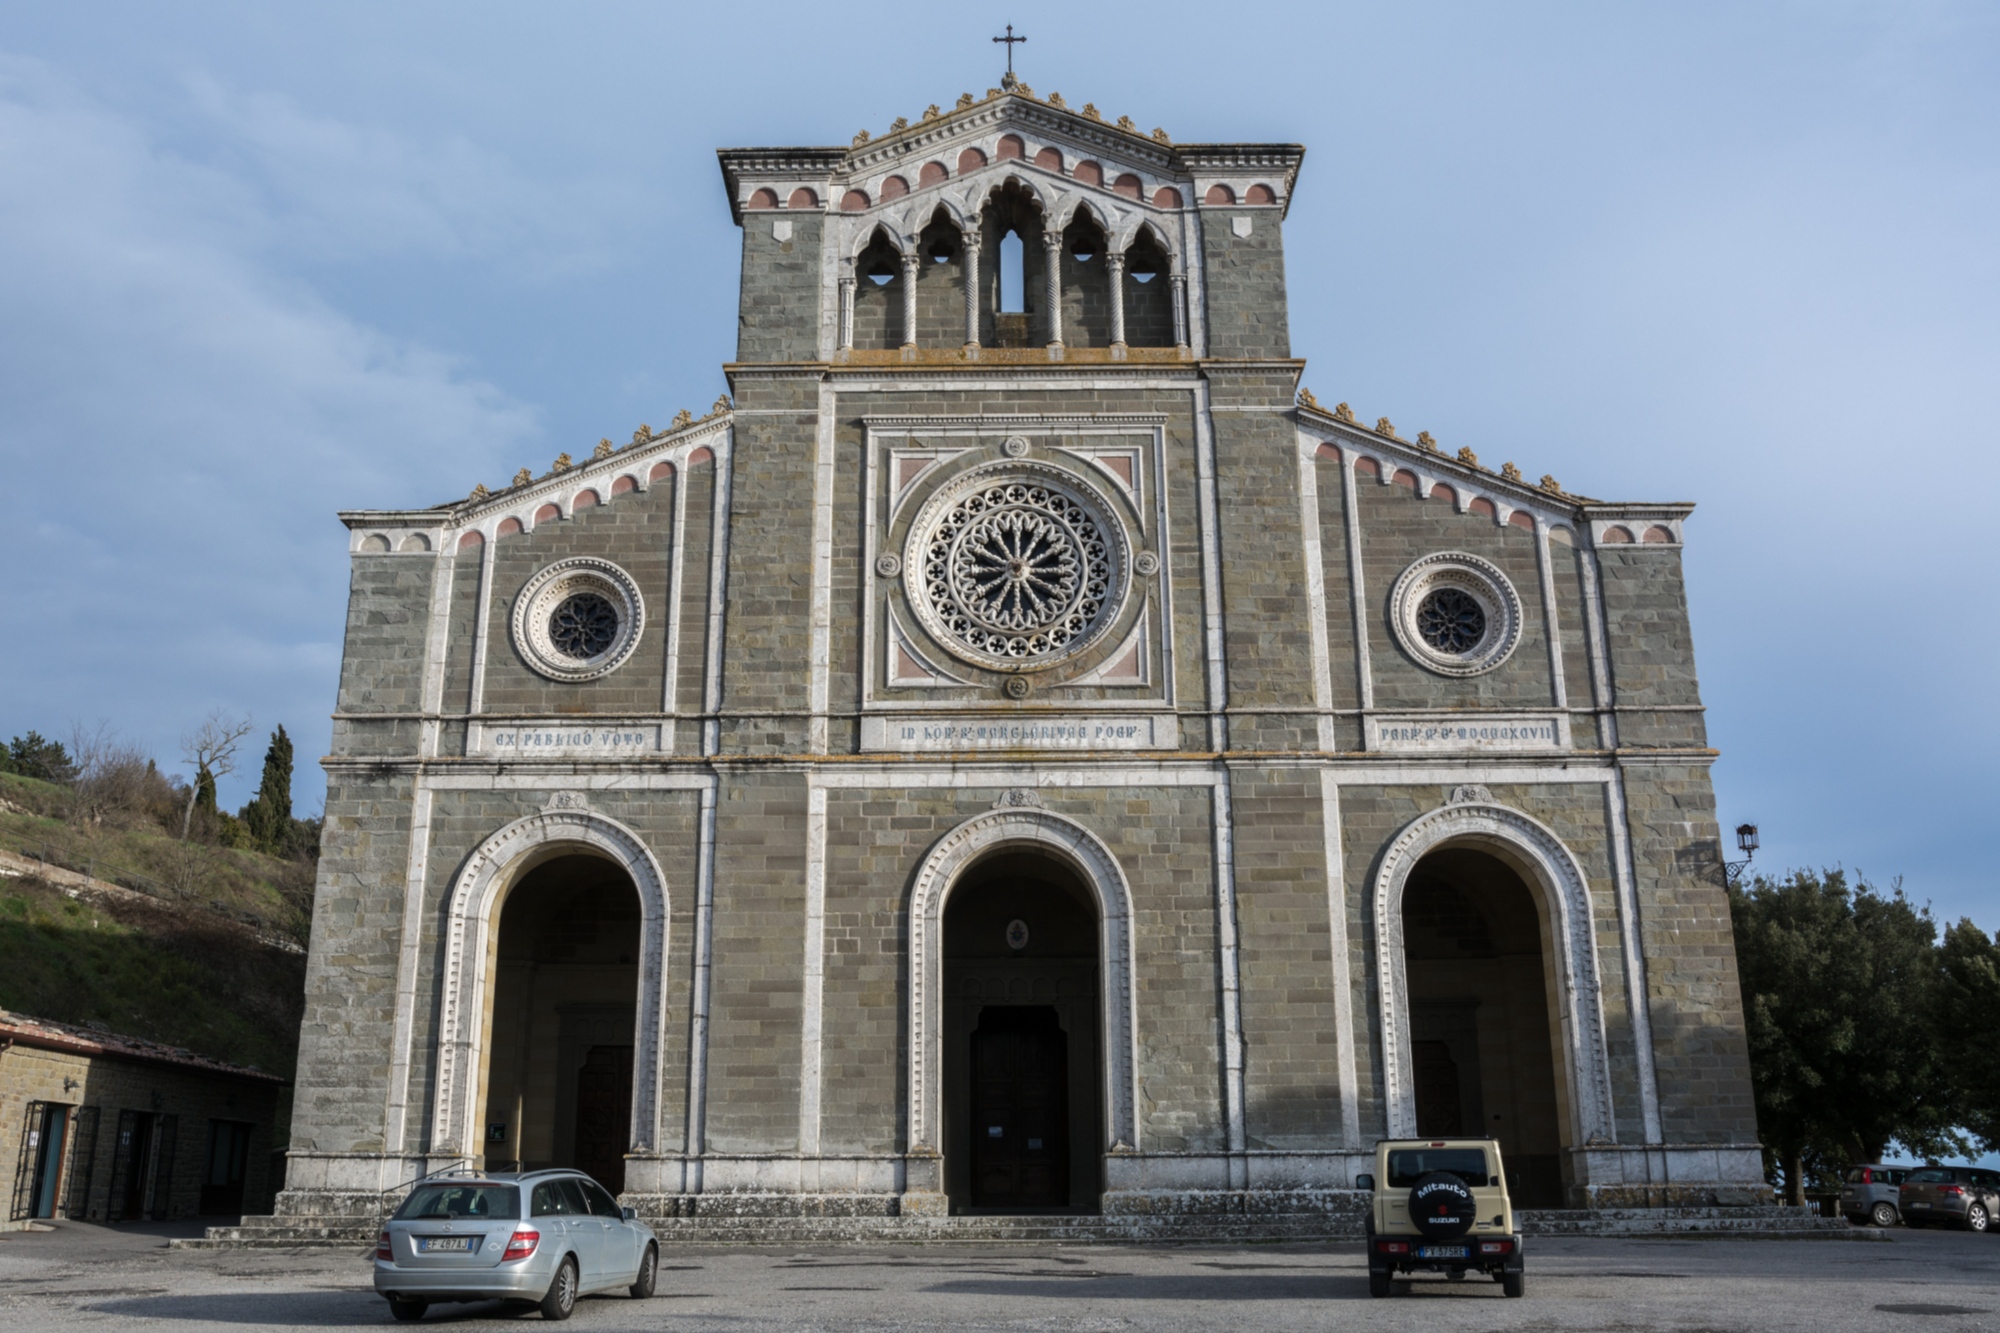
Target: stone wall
column 193, row 1098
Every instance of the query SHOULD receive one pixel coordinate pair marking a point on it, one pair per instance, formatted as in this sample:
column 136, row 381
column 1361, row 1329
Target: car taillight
column 520, row 1245
column 1496, row 1247
column 1868, row 1177
column 382, row 1248
column 1950, row 1191
column 1392, row 1247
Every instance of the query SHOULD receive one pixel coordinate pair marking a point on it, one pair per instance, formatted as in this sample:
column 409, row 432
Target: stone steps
column 1762, row 1223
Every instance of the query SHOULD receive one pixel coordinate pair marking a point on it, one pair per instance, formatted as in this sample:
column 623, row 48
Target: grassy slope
column 175, row 973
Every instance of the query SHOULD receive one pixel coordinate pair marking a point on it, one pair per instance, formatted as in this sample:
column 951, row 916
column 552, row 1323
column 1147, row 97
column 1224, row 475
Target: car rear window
column 1858, row 1176
column 1930, row 1175
column 503, row 1201
column 1409, row 1165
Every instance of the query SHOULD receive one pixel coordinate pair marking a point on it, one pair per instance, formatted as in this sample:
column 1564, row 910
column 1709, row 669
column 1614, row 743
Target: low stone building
column 1024, row 753
column 118, row 1129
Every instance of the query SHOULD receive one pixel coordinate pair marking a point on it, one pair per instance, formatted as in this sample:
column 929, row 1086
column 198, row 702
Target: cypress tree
column 269, row 815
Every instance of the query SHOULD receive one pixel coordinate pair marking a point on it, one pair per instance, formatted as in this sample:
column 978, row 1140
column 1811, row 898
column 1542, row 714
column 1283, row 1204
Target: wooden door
column 1020, row 1109
column 604, row 1115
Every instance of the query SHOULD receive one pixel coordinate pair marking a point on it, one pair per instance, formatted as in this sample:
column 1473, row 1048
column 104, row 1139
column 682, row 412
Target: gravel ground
column 81, row 1276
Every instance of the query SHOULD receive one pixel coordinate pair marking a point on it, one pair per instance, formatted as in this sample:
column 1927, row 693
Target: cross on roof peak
column 1008, row 80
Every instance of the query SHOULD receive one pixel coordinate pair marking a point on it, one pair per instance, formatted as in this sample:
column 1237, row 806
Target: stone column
column 910, row 265
column 1052, row 252
column 1180, row 311
column 1114, row 264
column 847, row 308
column 969, row 250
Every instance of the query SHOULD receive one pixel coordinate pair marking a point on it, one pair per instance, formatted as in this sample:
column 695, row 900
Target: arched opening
column 940, row 284
column 1086, row 284
column 1484, row 1043
column 558, row 1084
column 878, row 296
column 1011, row 268
column 1149, row 297
column 1023, row 1124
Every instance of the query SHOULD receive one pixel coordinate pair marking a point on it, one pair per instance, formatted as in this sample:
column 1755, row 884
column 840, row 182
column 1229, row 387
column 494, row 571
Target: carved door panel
column 604, row 1115
column 1020, row 1109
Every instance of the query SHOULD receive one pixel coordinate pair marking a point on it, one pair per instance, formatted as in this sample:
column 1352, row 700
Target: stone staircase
column 1765, row 1222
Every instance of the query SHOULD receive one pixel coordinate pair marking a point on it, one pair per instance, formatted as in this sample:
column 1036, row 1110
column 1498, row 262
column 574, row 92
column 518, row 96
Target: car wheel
column 1883, row 1214
column 1977, row 1218
column 649, row 1274
column 1378, row 1284
column 407, row 1309
column 1514, row 1284
column 560, row 1303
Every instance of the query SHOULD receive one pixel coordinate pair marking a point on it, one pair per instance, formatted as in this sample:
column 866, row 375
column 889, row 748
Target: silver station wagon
column 545, row 1238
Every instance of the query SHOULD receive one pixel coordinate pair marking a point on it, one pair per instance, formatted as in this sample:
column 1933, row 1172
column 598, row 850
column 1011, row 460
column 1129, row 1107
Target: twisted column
column 1180, row 311
column 1115, row 265
column 847, row 309
column 969, row 248
column 1052, row 251
column 910, row 264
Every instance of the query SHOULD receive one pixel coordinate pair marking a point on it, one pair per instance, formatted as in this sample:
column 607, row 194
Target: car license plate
column 1916, row 1203
column 1441, row 1251
column 443, row 1244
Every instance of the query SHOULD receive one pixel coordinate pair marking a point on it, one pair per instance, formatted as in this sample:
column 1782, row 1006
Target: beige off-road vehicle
column 1440, row 1206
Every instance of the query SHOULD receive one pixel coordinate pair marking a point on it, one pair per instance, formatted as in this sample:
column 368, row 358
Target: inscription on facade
column 1434, row 733
column 946, row 735
column 548, row 740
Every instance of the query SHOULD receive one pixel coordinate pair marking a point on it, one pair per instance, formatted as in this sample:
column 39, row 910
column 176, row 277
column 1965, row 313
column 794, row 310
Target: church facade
column 1019, row 752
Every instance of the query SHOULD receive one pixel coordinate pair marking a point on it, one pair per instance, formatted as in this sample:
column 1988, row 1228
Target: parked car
column 541, row 1238
column 1959, row 1196
column 1440, row 1206
column 1870, row 1195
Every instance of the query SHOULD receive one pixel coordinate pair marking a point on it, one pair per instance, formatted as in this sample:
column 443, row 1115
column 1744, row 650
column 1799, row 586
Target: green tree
column 268, row 816
column 1841, row 988
column 36, row 756
column 1969, row 1026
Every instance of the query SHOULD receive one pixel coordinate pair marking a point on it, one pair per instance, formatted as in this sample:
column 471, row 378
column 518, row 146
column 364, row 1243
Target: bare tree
column 210, row 750
column 113, row 776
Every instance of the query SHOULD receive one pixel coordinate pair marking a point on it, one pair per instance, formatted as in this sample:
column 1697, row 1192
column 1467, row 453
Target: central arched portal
column 1023, row 1063
column 1483, row 1046
column 558, row 1087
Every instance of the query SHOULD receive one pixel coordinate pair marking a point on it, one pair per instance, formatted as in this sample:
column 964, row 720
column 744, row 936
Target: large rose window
column 1017, row 566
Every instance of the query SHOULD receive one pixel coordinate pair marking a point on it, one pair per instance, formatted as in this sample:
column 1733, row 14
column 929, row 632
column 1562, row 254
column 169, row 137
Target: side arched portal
column 1562, row 893
column 1025, row 829
column 471, row 937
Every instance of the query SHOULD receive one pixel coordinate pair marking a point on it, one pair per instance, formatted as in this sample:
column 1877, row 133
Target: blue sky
column 259, row 263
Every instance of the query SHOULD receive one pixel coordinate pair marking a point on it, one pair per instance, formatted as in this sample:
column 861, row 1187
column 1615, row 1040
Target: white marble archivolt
column 1018, row 824
column 1557, row 881
column 471, row 923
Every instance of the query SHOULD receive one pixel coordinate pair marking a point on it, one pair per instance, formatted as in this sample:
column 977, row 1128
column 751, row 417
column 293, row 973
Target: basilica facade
column 1019, row 751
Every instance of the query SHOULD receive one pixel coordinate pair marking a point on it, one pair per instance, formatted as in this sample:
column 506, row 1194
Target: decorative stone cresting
column 1473, row 818
column 471, row 918
column 1029, row 827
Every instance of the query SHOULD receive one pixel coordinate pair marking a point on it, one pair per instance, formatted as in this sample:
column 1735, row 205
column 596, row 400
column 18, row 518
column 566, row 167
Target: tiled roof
column 52, row 1036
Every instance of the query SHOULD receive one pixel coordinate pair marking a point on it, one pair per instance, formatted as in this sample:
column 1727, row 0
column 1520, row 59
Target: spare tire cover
column 1441, row 1205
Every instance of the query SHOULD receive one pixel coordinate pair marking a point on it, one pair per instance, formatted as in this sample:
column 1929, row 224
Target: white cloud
column 179, row 419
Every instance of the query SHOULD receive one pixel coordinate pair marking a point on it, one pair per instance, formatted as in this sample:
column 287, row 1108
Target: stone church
column 1019, row 752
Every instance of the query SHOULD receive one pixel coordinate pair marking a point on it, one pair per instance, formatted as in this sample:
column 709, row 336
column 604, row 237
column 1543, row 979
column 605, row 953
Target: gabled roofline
column 466, row 512
column 1011, row 107
column 1522, row 494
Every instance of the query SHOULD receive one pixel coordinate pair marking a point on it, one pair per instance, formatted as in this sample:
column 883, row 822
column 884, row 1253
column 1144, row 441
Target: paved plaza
column 82, row 1276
